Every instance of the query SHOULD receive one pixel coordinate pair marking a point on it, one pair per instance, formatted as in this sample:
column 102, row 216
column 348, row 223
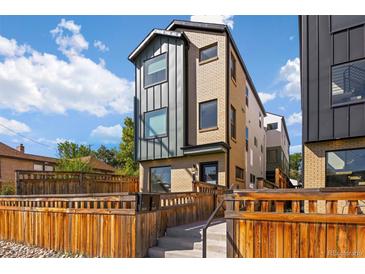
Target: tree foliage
column 295, row 165
column 129, row 165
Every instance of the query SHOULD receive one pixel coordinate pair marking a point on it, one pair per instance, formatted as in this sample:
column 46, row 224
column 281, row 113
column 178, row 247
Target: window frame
column 241, row 170
column 326, row 158
column 201, row 129
column 234, row 129
column 233, row 61
column 277, row 126
column 215, row 44
column 331, row 79
column 144, row 70
column 150, row 174
column 38, row 164
column 144, row 124
column 201, row 168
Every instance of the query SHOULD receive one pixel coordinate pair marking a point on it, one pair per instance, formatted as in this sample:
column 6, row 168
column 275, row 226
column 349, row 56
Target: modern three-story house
column 333, row 100
column 190, row 107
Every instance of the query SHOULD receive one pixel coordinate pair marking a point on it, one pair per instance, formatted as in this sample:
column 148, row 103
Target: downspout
column 227, row 112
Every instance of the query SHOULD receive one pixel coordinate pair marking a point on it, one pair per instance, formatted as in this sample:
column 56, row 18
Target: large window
column 272, row 126
column 209, row 172
column 156, row 123
column 232, row 119
column 233, row 67
column 160, row 179
column 240, row 174
column 208, row 115
column 155, row 70
column 345, row 168
column 348, row 82
column 208, row 52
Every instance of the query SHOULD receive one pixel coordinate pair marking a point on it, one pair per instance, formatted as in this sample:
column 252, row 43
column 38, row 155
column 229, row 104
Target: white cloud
column 10, row 48
column 266, row 97
column 106, row 134
column 13, row 125
column 295, row 118
column 100, row 46
column 69, row 39
column 45, row 83
column 290, row 74
column 218, row 19
column 295, row 149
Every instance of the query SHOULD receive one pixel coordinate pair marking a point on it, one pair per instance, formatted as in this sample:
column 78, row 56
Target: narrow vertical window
column 233, row 67
column 233, row 122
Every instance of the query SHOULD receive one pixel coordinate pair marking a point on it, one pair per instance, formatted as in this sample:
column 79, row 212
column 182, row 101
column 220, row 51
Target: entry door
column 209, row 172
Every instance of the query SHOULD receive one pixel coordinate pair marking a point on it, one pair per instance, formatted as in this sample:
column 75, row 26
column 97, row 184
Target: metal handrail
column 205, row 228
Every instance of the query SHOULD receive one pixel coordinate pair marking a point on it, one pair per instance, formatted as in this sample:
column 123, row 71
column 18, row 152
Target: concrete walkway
column 186, row 241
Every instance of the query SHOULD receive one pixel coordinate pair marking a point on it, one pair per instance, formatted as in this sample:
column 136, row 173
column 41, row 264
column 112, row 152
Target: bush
column 7, row 190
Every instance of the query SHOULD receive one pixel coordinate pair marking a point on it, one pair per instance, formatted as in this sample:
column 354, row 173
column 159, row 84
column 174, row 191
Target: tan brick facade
column 181, row 170
column 314, row 159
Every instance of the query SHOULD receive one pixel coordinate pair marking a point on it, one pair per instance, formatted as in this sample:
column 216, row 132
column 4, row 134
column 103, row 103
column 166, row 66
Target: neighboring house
column 255, row 138
column 16, row 159
column 190, row 107
column 97, row 165
column 277, row 145
column 333, row 100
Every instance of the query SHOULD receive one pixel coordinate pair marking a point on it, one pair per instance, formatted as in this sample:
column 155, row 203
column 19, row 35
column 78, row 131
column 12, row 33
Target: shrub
column 7, row 190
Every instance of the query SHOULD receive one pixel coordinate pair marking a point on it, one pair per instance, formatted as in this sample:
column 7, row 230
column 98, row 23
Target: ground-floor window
column 209, row 172
column 160, row 179
column 345, row 168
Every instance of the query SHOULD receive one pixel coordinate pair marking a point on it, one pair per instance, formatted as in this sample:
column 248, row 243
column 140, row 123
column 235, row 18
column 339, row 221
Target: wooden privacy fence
column 296, row 223
column 54, row 182
column 99, row 225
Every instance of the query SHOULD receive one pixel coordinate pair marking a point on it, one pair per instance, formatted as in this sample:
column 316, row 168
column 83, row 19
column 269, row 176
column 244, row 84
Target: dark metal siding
column 169, row 94
column 326, row 41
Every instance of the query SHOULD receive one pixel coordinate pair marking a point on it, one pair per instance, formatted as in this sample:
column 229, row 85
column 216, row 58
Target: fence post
column 229, row 224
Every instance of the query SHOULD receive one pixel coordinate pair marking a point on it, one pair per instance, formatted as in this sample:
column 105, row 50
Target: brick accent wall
column 181, row 170
column 315, row 162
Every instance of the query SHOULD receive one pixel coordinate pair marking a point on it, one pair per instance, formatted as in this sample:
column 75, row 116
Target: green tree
column 295, row 160
column 109, row 156
column 129, row 165
column 69, row 157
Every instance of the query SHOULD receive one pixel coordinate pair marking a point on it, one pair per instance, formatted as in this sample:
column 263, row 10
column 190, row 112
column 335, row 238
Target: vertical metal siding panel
column 341, row 122
column 304, row 65
column 180, row 97
column 340, row 49
column 143, row 109
column 357, row 120
column 357, row 43
column 164, row 101
column 325, row 109
column 137, row 111
column 313, row 78
column 157, row 102
column 172, row 97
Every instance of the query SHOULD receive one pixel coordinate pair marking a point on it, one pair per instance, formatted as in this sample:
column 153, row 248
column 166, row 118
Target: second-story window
column 155, row 70
column 246, row 138
column 272, row 126
column 348, row 83
column 255, row 141
column 233, row 122
column 208, row 115
column 247, row 94
column 155, row 123
column 208, row 53
column 260, row 120
column 233, row 67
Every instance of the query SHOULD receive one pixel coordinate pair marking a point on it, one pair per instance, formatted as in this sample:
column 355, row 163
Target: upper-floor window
column 232, row 119
column 38, row 167
column 272, row 126
column 247, row 94
column 240, row 173
column 348, row 82
column 246, row 138
column 155, row 123
column 208, row 115
column 155, row 70
column 260, row 119
column 233, row 67
column 48, row 168
column 208, row 53
column 255, row 141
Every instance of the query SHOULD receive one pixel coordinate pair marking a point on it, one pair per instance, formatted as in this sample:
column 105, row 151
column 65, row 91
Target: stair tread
column 185, row 253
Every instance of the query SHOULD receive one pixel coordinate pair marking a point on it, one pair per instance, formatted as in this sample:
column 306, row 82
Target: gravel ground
column 14, row 250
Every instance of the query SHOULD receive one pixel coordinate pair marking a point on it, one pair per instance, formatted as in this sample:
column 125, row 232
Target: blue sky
column 68, row 77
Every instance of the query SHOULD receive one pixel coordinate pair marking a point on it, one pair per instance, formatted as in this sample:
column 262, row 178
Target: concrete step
column 174, row 243
column 158, row 252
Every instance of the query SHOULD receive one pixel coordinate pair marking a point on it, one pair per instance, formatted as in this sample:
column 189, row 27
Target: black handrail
column 205, row 228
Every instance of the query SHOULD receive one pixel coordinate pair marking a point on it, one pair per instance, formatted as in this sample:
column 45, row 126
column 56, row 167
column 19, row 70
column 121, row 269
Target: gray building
column 332, row 51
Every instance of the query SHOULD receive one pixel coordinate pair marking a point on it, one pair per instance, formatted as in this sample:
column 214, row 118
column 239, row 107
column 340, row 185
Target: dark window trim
column 235, row 123
column 277, row 126
column 202, row 62
column 167, row 124
column 233, row 75
column 150, row 173
column 201, row 164
column 167, row 70
column 326, row 158
column 345, row 103
column 243, row 173
column 210, row 128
